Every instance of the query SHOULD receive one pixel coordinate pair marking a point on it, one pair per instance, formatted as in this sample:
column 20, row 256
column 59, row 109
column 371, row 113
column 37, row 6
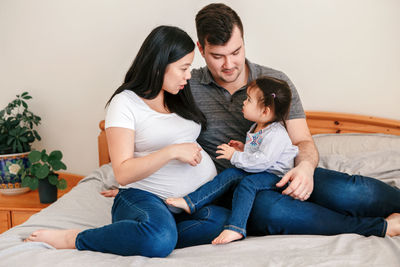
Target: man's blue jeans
column 247, row 185
column 340, row 203
column 143, row 225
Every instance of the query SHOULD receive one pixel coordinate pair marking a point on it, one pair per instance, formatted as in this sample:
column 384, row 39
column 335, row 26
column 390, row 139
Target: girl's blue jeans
column 247, row 185
column 340, row 203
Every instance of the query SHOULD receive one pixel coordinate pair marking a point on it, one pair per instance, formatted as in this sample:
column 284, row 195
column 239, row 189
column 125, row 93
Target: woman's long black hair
column 164, row 45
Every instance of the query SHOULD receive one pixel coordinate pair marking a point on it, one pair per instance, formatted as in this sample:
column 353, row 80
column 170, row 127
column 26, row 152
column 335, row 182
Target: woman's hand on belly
column 187, row 153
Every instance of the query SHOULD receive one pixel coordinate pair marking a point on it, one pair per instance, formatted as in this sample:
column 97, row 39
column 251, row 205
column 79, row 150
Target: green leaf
column 57, row 165
column 26, row 181
column 24, row 94
column 56, row 155
column 19, row 147
column 53, row 179
column 45, row 157
column 42, row 172
column 36, row 135
column 34, row 183
column 62, row 184
column 34, row 156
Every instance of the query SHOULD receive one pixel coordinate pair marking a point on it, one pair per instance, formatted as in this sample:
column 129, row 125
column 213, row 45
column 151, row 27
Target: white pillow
column 373, row 155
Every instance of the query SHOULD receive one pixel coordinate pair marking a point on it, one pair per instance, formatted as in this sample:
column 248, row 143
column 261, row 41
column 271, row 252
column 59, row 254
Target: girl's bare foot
column 178, row 202
column 393, row 224
column 226, row 236
column 60, row 239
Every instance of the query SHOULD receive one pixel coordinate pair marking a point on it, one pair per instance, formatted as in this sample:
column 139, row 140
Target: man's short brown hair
column 215, row 23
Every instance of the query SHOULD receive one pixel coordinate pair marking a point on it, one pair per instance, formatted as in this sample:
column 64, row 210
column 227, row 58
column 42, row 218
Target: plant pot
column 47, row 191
column 10, row 179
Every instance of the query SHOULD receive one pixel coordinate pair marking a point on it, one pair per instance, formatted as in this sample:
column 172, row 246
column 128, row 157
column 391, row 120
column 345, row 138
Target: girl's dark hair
column 276, row 94
column 164, row 45
column 215, row 23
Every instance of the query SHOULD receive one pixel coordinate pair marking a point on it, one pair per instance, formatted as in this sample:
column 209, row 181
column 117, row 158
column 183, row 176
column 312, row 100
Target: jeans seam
column 128, row 203
column 198, row 221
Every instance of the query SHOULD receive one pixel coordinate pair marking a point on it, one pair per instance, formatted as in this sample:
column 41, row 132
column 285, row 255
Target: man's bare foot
column 393, row 224
column 178, row 202
column 60, row 239
column 226, row 236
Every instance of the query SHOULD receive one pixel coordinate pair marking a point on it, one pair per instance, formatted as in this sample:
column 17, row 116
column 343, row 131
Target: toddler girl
column 267, row 155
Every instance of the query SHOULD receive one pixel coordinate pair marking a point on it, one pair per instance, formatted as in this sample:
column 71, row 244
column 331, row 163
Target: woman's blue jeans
column 143, row 225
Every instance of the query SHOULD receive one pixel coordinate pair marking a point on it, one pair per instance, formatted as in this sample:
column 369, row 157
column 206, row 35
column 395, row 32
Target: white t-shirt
column 153, row 131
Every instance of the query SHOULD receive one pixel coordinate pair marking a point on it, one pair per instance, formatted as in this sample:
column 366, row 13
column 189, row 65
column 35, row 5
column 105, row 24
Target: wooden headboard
column 318, row 122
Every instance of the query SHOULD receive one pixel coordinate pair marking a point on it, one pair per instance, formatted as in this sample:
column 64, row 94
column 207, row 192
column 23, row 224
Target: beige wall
column 343, row 55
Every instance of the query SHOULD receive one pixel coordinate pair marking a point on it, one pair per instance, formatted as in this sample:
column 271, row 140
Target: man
column 220, row 35
column 219, row 90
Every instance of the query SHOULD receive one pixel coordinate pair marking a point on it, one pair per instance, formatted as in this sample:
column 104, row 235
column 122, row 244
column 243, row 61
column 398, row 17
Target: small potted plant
column 41, row 173
column 17, row 133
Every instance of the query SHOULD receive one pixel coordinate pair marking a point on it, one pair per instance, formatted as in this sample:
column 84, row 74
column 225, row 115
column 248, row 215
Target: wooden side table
column 17, row 209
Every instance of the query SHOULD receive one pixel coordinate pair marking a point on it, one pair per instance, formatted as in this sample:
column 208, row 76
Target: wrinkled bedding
column 83, row 207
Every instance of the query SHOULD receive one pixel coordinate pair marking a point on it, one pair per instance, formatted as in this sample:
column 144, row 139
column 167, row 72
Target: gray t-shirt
column 223, row 111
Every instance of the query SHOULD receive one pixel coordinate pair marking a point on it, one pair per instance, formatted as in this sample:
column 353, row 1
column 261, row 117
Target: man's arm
column 301, row 176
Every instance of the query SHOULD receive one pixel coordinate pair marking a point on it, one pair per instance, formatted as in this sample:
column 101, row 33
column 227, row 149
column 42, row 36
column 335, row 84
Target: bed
column 351, row 143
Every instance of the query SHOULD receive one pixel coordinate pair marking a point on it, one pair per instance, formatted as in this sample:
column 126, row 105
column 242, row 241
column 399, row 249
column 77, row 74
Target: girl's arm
column 260, row 160
column 128, row 169
column 269, row 152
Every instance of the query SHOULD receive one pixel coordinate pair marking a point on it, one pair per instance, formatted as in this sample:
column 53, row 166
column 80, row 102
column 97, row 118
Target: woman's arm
column 128, row 169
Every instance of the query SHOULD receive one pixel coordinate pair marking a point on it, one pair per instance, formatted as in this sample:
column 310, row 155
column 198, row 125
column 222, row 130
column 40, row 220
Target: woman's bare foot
column 178, row 202
column 393, row 224
column 60, row 239
column 226, row 236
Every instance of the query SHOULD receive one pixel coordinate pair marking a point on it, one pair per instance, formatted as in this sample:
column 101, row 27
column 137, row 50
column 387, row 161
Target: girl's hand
column 187, row 153
column 226, row 151
column 237, row 145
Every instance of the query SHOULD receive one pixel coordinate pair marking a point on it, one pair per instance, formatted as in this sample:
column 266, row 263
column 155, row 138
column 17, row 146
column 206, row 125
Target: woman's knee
column 160, row 243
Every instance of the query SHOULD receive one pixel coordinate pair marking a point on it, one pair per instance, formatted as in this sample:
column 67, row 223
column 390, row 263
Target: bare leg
column 226, row 236
column 60, row 239
column 393, row 225
column 178, row 203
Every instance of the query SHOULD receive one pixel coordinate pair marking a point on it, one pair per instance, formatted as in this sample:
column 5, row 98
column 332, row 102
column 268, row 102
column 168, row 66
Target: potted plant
column 17, row 133
column 41, row 173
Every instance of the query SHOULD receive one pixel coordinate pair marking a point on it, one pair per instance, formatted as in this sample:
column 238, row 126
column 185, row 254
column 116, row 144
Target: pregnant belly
column 177, row 179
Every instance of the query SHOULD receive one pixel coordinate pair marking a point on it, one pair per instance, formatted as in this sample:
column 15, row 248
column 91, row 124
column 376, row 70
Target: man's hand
column 110, row 192
column 301, row 181
column 237, row 145
column 226, row 151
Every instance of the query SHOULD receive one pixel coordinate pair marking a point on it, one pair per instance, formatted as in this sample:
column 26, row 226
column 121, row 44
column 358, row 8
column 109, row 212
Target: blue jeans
column 143, row 225
column 247, row 186
column 340, row 203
